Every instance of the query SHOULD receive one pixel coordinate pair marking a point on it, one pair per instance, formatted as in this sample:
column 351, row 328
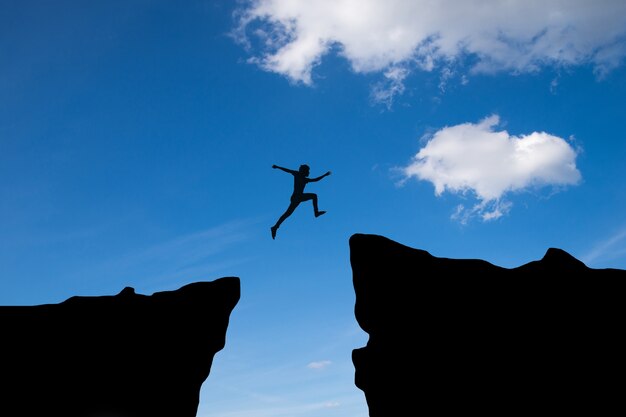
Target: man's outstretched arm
column 320, row 177
column 285, row 169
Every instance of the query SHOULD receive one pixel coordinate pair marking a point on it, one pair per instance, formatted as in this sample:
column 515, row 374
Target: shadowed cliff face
column 127, row 355
column 455, row 335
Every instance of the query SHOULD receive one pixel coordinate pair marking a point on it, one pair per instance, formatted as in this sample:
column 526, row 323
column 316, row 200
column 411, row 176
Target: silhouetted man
column 300, row 179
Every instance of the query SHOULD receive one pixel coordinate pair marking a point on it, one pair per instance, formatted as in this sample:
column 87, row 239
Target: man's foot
column 319, row 213
column 273, row 229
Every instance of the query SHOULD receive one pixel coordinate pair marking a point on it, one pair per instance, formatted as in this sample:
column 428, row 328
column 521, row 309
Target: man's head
column 304, row 169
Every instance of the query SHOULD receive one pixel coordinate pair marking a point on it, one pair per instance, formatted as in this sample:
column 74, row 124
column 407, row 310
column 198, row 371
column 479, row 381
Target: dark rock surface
column 127, row 355
column 463, row 335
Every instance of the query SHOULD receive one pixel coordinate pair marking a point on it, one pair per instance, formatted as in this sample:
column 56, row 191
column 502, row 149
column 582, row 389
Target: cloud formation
column 477, row 159
column 392, row 36
column 319, row 364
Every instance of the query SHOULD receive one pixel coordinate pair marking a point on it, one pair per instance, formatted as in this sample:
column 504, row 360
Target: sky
column 137, row 140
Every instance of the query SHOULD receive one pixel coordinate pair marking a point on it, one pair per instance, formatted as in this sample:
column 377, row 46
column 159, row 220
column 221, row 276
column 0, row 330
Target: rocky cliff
column 127, row 355
column 463, row 335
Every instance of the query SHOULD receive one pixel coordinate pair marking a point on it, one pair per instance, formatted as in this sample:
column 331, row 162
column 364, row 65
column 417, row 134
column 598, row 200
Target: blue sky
column 137, row 139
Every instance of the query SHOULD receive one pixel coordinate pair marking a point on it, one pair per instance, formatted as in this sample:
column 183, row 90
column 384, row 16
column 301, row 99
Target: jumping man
column 300, row 179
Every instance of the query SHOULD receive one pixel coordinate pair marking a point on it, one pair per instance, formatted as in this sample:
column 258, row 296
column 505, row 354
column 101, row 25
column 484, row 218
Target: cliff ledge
column 464, row 335
column 127, row 355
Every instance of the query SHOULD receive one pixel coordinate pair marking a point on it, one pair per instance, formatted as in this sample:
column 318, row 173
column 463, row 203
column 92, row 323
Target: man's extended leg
column 282, row 218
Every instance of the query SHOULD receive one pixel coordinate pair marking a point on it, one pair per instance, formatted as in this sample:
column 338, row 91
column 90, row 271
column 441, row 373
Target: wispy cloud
column 319, row 364
column 610, row 248
column 188, row 257
column 382, row 35
column 475, row 158
column 393, row 85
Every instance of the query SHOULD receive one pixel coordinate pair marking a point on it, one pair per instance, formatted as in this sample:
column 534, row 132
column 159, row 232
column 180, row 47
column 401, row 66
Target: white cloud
column 319, row 365
column 476, row 158
column 380, row 35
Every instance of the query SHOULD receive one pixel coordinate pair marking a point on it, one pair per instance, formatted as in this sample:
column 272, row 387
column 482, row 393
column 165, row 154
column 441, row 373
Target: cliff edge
column 464, row 335
column 127, row 355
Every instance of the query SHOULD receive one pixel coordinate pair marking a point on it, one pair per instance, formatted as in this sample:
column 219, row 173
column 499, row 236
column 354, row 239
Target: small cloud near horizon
column 396, row 37
column 319, row 364
column 476, row 158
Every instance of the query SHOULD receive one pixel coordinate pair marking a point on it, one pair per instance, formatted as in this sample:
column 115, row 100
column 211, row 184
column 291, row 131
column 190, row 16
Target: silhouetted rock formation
column 449, row 335
column 127, row 355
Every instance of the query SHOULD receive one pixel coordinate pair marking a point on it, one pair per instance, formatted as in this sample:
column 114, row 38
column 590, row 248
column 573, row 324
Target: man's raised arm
column 284, row 169
column 320, row 177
